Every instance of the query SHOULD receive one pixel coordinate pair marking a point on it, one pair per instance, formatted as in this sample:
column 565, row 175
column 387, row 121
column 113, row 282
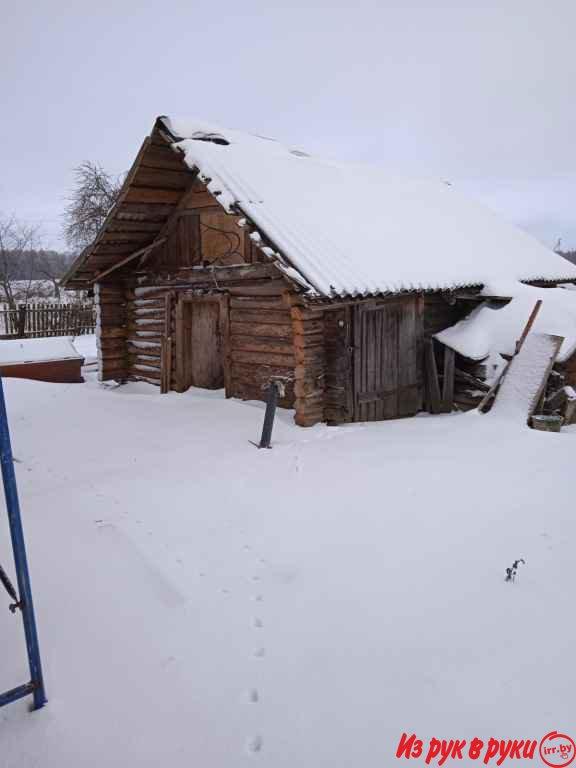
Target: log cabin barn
column 230, row 258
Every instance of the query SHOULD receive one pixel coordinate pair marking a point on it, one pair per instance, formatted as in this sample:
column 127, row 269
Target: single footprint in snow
column 260, row 653
column 253, row 696
column 258, row 598
column 258, row 623
column 254, row 744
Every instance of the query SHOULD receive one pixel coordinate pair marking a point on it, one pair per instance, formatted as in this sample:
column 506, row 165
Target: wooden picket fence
column 34, row 321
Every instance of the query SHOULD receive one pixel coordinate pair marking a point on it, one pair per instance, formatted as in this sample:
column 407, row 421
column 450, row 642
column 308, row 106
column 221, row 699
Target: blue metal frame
column 36, row 685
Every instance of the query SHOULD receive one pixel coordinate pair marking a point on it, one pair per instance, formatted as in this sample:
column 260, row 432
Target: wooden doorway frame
column 361, row 354
column 183, row 345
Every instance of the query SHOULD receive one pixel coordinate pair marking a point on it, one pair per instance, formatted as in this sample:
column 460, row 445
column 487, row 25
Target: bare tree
column 51, row 265
column 95, row 192
column 17, row 258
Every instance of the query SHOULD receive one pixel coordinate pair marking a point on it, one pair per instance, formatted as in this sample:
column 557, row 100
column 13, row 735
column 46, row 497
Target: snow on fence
column 32, row 321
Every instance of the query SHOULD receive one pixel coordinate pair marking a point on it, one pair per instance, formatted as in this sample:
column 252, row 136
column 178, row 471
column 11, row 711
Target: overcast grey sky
column 481, row 93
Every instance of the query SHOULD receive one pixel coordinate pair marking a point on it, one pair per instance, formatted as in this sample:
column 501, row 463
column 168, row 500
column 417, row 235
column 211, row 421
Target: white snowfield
column 204, row 604
column 13, row 351
column 489, row 331
column 351, row 229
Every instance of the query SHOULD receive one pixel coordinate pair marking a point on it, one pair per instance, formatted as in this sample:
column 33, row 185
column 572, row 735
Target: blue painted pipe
column 36, row 684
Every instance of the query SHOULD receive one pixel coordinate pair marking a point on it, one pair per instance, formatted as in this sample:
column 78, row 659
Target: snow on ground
column 203, row 603
column 85, row 345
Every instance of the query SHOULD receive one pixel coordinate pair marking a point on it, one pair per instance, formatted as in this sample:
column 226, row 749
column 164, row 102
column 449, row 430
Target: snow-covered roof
column 489, row 331
column 355, row 230
column 17, row 351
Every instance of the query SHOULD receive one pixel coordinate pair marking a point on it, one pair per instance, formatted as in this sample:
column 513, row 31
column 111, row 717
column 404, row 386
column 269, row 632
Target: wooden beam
column 448, row 380
column 85, row 255
column 162, row 235
column 493, row 391
column 432, row 384
column 128, row 259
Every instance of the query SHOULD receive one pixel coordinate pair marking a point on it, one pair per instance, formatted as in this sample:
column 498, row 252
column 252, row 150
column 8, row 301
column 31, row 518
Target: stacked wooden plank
column 257, row 340
column 310, row 361
column 145, row 330
column 111, row 331
column 261, row 346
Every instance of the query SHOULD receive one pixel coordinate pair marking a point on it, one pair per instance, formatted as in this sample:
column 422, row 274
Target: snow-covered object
column 489, row 331
column 13, row 351
column 523, row 382
column 354, row 230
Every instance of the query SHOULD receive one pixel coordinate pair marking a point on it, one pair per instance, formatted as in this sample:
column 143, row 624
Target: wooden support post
column 432, row 384
column 166, row 348
column 448, row 380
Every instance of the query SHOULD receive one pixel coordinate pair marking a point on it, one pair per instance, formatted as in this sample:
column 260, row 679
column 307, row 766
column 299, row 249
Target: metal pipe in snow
column 36, row 685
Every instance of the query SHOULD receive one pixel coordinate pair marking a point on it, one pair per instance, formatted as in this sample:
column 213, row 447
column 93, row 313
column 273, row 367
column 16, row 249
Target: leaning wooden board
column 521, row 390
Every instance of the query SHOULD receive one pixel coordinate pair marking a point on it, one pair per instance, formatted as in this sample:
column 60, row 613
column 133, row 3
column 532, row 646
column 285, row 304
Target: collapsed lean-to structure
column 230, row 258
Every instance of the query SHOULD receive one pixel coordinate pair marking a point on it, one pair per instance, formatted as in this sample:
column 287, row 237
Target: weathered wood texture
column 568, row 369
column 252, row 335
column 32, row 321
column 163, row 196
column 307, row 334
column 261, row 346
column 57, row 371
column 338, row 382
column 111, row 331
column 440, row 314
column 387, row 359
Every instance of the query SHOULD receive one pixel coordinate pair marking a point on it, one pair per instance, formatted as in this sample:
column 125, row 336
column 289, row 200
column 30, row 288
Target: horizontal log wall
column 146, row 331
column 260, row 342
column 309, row 356
column 111, row 331
column 261, row 346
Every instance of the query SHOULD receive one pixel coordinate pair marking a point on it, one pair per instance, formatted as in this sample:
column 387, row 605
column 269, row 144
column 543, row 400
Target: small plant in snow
column 511, row 572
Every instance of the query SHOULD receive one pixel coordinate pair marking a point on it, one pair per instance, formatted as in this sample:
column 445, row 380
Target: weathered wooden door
column 207, row 368
column 387, row 344
column 201, row 329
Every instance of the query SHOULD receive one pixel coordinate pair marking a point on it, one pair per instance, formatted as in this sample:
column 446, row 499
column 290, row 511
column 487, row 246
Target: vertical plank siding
column 387, row 380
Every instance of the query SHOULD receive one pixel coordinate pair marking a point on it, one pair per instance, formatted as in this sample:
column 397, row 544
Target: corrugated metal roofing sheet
column 354, row 230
